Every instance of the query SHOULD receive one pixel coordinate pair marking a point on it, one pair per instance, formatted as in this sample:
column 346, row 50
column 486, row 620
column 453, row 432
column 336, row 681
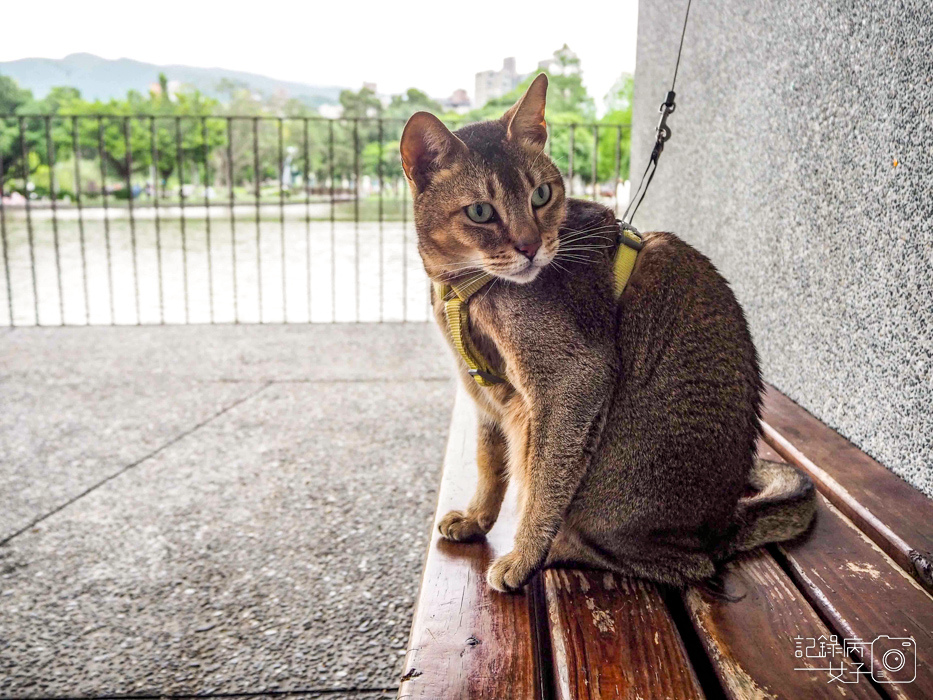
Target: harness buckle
column 629, row 236
column 486, row 376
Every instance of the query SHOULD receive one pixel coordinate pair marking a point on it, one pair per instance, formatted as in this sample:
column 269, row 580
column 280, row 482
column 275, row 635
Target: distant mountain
column 101, row 78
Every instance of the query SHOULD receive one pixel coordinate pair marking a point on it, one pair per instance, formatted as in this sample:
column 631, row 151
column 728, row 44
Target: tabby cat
column 630, row 424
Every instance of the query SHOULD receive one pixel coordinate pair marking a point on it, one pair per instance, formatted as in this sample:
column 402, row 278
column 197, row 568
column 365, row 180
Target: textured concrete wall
column 790, row 117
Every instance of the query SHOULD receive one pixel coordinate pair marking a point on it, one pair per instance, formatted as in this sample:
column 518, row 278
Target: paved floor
column 206, row 510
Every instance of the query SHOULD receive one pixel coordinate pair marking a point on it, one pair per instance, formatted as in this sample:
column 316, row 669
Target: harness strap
column 456, row 299
column 628, row 245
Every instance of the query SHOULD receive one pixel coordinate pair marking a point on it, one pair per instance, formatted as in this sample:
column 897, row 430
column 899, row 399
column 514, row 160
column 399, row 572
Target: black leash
column 663, row 134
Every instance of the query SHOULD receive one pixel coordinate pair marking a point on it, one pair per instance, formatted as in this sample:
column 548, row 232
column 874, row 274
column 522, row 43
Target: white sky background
column 436, row 47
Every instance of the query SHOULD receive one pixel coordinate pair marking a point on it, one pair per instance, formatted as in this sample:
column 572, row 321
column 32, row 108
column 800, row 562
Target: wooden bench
column 862, row 572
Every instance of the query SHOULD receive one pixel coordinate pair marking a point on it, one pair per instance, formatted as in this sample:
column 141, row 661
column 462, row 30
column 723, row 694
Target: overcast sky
column 436, row 46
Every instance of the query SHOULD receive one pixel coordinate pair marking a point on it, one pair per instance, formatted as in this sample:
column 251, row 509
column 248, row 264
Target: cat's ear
column 525, row 120
column 427, row 146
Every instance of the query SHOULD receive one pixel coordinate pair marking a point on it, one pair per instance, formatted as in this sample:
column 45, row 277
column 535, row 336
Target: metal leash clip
column 666, row 109
column 629, row 236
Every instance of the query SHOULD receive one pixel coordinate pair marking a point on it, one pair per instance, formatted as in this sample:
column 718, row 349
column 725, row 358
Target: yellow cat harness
column 456, row 297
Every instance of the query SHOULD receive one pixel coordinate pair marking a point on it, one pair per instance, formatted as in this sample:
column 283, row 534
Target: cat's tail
column 783, row 507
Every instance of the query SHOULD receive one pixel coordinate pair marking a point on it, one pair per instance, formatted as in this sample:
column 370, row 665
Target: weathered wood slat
column 862, row 592
column 612, row 637
column 895, row 515
column 750, row 636
column 468, row 641
column 604, row 636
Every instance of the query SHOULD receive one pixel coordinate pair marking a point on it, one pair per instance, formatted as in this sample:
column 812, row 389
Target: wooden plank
column 898, row 517
column 750, row 632
column 467, row 640
column 612, row 637
column 862, row 593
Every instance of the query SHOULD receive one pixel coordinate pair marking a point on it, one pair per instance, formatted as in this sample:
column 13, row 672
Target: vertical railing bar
column 258, row 226
column 333, row 235
column 77, row 156
column 154, row 148
column 103, row 190
column 207, row 221
column 595, row 158
column 381, row 235
column 570, row 157
column 404, row 251
column 281, row 178
column 356, row 210
column 615, row 181
column 129, row 201
column 50, row 154
column 307, row 187
column 180, row 164
column 6, row 257
column 24, row 170
column 232, row 201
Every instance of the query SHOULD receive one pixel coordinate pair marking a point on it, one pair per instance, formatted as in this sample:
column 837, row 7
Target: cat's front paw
column 510, row 572
column 458, row 526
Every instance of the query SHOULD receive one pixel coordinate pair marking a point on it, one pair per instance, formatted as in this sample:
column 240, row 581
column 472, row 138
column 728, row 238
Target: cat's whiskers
column 454, row 274
column 586, row 247
column 589, row 253
column 599, row 231
column 490, row 288
column 586, row 244
column 535, row 161
column 590, row 233
column 592, row 228
column 593, row 237
column 464, row 273
column 474, row 263
column 559, row 266
column 475, row 279
column 577, row 258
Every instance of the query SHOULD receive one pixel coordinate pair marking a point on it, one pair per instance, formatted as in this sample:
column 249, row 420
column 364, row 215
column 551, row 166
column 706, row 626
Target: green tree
column 567, row 98
column 391, row 162
column 401, row 107
column 568, row 106
column 562, row 134
column 12, row 100
column 357, row 127
column 362, row 104
column 257, row 137
column 134, row 134
column 394, row 115
column 619, row 103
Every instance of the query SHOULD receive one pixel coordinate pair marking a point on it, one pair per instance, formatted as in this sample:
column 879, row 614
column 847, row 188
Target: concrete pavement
column 205, row 510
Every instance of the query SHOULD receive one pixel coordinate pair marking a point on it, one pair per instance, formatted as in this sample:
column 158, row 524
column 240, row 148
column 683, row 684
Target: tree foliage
column 166, row 139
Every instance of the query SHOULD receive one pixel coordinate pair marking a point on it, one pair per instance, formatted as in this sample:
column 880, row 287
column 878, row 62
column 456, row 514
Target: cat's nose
column 528, row 249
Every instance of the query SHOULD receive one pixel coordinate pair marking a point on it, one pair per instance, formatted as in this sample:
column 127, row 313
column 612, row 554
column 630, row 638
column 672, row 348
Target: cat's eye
column 480, row 212
column 541, row 195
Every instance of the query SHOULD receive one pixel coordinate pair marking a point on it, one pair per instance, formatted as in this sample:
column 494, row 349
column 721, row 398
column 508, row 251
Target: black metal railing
column 237, row 219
